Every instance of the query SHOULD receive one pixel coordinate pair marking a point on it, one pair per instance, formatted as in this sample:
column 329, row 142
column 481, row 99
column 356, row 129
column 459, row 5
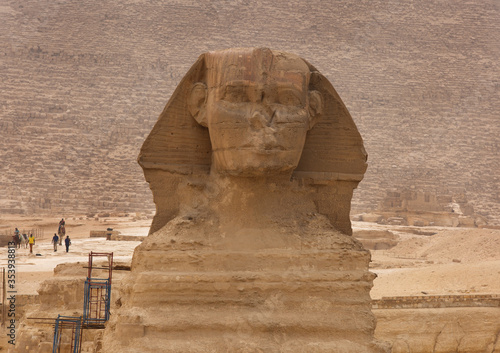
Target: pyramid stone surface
column 83, row 83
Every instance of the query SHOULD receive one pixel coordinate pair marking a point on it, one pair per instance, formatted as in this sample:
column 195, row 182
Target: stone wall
column 410, row 207
column 439, row 323
column 437, row 301
column 444, row 330
column 83, row 83
column 103, row 233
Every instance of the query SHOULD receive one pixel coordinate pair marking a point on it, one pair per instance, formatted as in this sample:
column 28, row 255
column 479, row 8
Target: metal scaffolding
column 106, row 266
column 96, row 302
column 97, row 296
column 64, row 324
column 96, row 306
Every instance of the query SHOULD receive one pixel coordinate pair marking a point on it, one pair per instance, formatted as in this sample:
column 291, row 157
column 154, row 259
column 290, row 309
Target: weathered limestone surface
column 292, row 288
column 190, row 295
column 437, row 301
column 376, row 239
column 251, row 254
column 258, row 107
column 471, row 330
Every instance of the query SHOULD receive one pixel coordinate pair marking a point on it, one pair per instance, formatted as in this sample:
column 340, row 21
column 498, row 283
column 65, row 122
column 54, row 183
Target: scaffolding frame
column 108, row 266
column 68, row 322
column 96, row 307
column 97, row 295
column 96, row 302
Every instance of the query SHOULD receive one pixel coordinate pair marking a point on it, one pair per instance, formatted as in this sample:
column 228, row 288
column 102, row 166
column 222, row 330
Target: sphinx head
column 254, row 113
column 258, row 107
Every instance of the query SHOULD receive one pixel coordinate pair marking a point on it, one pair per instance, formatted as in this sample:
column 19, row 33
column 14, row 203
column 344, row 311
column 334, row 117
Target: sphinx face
column 256, row 112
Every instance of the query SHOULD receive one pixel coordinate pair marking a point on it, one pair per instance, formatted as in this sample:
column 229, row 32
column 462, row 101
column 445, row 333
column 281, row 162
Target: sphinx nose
column 260, row 119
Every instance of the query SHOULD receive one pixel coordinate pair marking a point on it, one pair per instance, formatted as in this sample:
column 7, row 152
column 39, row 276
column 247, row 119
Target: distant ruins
column 416, row 208
column 252, row 165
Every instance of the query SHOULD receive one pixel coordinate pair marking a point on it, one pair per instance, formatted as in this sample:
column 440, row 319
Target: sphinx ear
column 197, row 101
column 315, row 107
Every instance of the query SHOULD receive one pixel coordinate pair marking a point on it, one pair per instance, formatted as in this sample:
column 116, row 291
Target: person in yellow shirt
column 31, row 241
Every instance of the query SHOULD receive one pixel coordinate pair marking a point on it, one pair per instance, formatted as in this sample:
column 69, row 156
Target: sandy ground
column 32, row 269
column 451, row 261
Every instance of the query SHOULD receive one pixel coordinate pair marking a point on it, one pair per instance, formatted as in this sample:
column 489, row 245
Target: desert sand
column 452, row 261
column 32, row 269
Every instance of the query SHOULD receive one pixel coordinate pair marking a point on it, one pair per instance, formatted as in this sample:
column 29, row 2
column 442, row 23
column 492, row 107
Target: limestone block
column 471, row 330
column 376, row 240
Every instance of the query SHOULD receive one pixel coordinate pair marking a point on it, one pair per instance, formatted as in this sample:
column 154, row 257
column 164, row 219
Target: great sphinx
column 252, row 165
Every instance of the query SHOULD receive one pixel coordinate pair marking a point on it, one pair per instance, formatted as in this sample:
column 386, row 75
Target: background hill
column 83, row 82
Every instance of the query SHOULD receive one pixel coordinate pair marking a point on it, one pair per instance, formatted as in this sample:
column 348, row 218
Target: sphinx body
column 252, row 165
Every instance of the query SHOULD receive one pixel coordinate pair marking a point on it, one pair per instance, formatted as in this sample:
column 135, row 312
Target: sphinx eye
column 289, row 97
column 236, row 94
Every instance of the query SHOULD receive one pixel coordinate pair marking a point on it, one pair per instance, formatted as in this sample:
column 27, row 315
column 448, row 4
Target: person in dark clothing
column 17, row 239
column 67, row 242
column 62, row 223
column 55, row 239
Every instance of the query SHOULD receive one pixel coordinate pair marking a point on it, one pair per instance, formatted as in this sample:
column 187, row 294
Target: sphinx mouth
column 262, row 147
column 273, row 148
column 263, row 150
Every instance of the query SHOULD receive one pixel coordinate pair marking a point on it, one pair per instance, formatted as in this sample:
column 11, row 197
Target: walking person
column 67, row 242
column 55, row 240
column 31, row 241
column 17, row 239
column 24, row 241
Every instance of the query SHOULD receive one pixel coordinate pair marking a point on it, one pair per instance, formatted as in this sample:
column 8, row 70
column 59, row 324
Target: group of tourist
column 24, row 239
column 57, row 238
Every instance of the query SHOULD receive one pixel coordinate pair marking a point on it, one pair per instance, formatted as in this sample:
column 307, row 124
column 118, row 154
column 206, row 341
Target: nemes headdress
column 178, row 145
